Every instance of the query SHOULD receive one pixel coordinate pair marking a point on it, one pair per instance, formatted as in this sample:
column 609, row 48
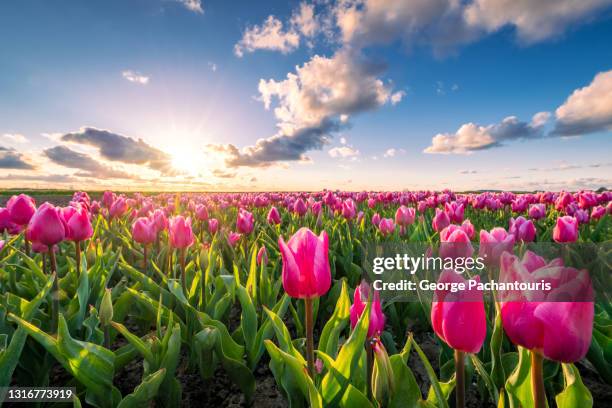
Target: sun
column 187, row 159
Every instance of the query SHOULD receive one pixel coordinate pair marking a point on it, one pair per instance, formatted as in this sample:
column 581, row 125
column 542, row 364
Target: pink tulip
column 376, row 219
column 213, row 226
column 349, row 211
column 440, row 220
column 201, row 212
column 371, row 203
column 5, row 220
column 537, row 211
column 566, row 229
column 144, row 231
column 119, row 208
column 306, row 272
column 299, row 207
column 244, row 222
column 274, row 217
column 404, row 216
column 459, row 318
column 262, row 256
column 108, row 198
column 21, row 209
column 386, row 226
column 180, row 232
column 468, row 228
column 455, row 243
column 377, row 317
column 558, row 322
column 598, row 212
column 159, row 220
column 233, row 238
column 454, row 211
column 522, row 229
column 494, row 243
column 582, row 216
column 47, row 226
column 78, row 225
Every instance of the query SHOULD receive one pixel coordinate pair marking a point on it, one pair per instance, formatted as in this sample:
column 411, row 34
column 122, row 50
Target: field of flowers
column 137, row 300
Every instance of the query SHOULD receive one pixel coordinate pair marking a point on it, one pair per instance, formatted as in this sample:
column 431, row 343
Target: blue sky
column 355, row 94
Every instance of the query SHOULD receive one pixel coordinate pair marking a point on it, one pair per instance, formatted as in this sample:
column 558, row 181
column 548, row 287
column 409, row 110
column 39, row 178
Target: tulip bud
column 244, row 222
column 440, row 220
column 299, row 207
column 386, row 226
column 180, row 232
column 21, row 209
column 47, row 226
column 377, row 317
column 213, row 226
column 383, row 380
column 494, row 243
column 404, row 216
column 262, row 256
column 522, row 229
column 274, row 217
column 78, row 225
column 144, row 231
column 106, row 308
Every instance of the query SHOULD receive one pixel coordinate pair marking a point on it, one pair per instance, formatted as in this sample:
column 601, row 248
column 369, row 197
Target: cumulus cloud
column 588, row 109
column 343, row 152
column 12, row 159
column 472, row 137
column 66, row 157
column 15, row 138
column 135, row 77
column 392, row 152
column 304, row 20
column 534, row 20
column 310, row 105
column 397, row 97
column 268, row 36
column 115, row 147
column 193, row 5
column 51, row 178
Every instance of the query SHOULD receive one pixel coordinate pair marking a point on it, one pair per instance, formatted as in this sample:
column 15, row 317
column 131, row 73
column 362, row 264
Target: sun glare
column 187, row 159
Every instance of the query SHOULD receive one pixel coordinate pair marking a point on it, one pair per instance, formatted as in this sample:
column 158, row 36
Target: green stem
column 183, row 277
column 309, row 336
column 537, row 380
column 77, row 248
column 107, row 341
column 370, row 366
column 54, row 293
column 460, row 378
column 144, row 259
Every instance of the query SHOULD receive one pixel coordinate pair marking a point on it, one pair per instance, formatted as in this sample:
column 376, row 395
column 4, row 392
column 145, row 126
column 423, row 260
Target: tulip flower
column 597, row 212
column 78, row 228
column 377, row 317
column 262, row 256
column 181, row 237
column 386, row 226
column 537, row 211
column 454, row 211
column 493, row 244
column 233, row 238
column 201, row 212
column 144, row 232
column 468, row 228
column 21, row 209
column 349, row 211
column 522, row 229
column 213, row 226
column 440, row 220
column 455, row 243
column 404, row 216
column 459, row 320
column 47, row 228
column 5, row 220
column 376, row 219
column 306, row 275
column 273, row 217
column 566, row 229
column 118, row 208
column 556, row 324
column 244, row 222
column 299, row 207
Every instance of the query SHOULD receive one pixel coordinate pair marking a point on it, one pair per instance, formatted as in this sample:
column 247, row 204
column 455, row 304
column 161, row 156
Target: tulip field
column 266, row 300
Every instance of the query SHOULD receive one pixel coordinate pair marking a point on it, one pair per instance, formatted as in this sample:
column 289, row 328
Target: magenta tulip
column 306, row 271
column 262, row 256
column 455, row 243
column 440, row 220
column 537, row 211
column 566, row 229
column 5, row 220
column 47, row 226
column 377, row 317
column 201, row 212
column 459, row 318
column 180, row 232
column 386, row 226
column 299, row 207
column 273, row 217
column 522, row 229
column 144, row 231
column 349, row 210
column 244, row 222
column 213, row 226
column 404, row 216
column 118, row 208
column 493, row 244
column 21, row 209
column 454, row 211
column 233, row 238
column 376, row 219
column 78, row 224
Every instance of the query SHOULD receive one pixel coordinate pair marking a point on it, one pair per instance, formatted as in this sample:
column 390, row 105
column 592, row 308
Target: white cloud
column 343, row 152
column 304, row 20
column 135, row 77
column 392, row 152
column 588, row 109
column 212, row 66
column 343, row 140
column 268, row 36
column 534, row 20
column 15, row 138
column 472, row 137
column 397, row 97
column 193, row 5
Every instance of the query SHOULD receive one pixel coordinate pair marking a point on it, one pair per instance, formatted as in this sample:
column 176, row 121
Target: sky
column 304, row 95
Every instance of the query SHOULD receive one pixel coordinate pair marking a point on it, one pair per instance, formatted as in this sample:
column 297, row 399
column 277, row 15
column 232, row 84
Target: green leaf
column 485, row 377
column 143, row 348
column 145, row 391
column 328, row 342
column 283, row 336
column 498, row 376
column 248, row 322
column 518, row 384
column 575, row 393
column 407, row 392
column 435, row 383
